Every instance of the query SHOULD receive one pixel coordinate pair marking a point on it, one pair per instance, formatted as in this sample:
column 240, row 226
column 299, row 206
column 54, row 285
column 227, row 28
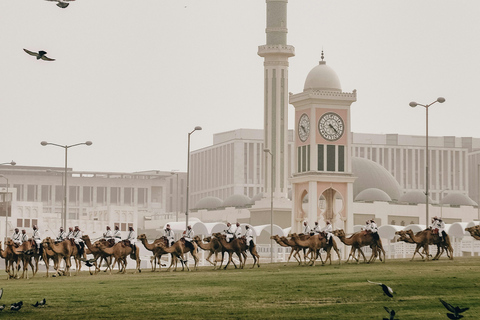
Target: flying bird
column 455, row 310
column 61, row 3
column 40, row 55
column 386, row 289
column 391, row 312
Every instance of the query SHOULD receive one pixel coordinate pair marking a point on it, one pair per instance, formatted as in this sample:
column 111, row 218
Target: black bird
column 386, row 289
column 61, row 3
column 43, row 302
column 88, row 264
column 391, row 312
column 35, row 305
column 40, row 55
column 2, row 307
column 455, row 310
column 16, row 306
column 1, row 293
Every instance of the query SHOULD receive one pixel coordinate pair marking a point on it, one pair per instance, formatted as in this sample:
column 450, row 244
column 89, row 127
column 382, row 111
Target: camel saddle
column 72, row 241
column 435, row 231
column 126, row 243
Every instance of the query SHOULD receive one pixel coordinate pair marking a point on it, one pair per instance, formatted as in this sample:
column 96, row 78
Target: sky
column 135, row 77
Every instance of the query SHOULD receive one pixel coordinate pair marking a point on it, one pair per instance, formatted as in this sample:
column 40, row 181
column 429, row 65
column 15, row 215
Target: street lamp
column 6, row 207
column 188, row 175
column 176, row 196
column 10, row 163
column 45, row 143
column 413, row 104
column 271, row 205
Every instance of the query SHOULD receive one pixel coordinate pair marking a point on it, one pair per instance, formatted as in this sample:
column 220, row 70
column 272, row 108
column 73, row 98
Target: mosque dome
column 415, row 197
column 373, row 194
column 208, row 203
column 457, row 199
column 372, row 175
column 237, row 200
column 322, row 77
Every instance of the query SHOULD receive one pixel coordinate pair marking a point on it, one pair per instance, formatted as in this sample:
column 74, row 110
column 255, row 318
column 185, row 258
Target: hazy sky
column 135, row 77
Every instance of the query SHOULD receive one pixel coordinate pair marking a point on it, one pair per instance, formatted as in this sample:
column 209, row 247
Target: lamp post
column 271, row 204
column 6, row 206
column 12, row 163
column 188, row 175
column 176, row 196
column 413, row 104
column 66, row 147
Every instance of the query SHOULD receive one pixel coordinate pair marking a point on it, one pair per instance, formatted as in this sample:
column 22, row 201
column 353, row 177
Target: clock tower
column 322, row 184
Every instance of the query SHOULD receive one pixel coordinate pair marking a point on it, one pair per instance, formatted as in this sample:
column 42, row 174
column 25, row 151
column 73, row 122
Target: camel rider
column 230, row 232
column 132, row 237
column 17, row 237
column 238, row 231
column 70, row 233
column 61, row 236
column 306, row 228
column 169, row 234
column 188, row 236
column 77, row 238
column 24, row 236
column 440, row 226
column 328, row 231
column 249, row 236
column 367, row 226
column 117, row 235
column 316, row 229
column 38, row 240
column 374, row 229
column 107, row 235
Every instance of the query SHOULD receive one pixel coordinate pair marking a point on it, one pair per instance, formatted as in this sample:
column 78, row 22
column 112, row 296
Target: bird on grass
column 391, row 312
column 16, row 306
column 386, row 289
column 455, row 310
column 2, row 307
column 1, row 293
column 40, row 55
column 43, row 302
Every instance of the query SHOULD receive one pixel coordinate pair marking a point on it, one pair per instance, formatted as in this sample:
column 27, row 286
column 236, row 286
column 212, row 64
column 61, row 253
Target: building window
column 114, row 195
column 128, row 196
column 19, row 223
column 19, row 188
column 142, row 197
column 101, row 195
column 87, row 195
column 73, row 194
column 330, row 157
column 46, row 194
column 321, row 160
column 58, row 195
column 341, row 158
column 31, row 193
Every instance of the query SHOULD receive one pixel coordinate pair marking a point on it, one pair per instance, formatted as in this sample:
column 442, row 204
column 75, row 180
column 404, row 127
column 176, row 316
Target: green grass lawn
column 269, row 292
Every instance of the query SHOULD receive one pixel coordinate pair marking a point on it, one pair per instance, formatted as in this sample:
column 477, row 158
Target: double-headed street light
column 271, row 204
column 12, row 163
column 413, row 104
column 45, row 143
column 188, row 175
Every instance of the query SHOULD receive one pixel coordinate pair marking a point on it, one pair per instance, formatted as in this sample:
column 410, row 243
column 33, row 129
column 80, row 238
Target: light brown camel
column 120, row 252
column 14, row 256
column 427, row 237
column 252, row 248
column 234, row 246
column 179, row 250
column 474, row 232
column 10, row 260
column 157, row 251
column 295, row 249
column 213, row 248
column 359, row 240
column 218, row 248
column 405, row 238
column 23, row 253
column 66, row 249
column 315, row 243
column 47, row 255
column 98, row 254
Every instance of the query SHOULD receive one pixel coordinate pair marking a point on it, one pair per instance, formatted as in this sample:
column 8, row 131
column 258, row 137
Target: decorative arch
column 330, row 204
column 300, row 212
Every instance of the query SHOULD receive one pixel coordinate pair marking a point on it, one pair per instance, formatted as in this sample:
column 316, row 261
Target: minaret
column 276, row 53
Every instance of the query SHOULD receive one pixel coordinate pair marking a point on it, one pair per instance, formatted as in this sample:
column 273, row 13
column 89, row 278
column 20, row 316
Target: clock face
column 303, row 127
column 331, row 126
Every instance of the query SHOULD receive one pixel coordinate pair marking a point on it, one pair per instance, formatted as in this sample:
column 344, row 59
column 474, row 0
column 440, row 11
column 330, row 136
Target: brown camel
column 218, row 247
column 48, row 255
column 404, row 237
column 120, row 252
column 66, row 249
column 234, row 246
column 295, row 249
column 179, row 250
column 14, row 256
column 315, row 244
column 359, row 240
column 427, row 237
column 23, row 253
column 157, row 251
column 98, row 254
column 10, row 260
column 213, row 248
column 474, row 232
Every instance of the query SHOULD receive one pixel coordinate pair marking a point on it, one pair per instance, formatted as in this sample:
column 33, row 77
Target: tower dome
column 322, row 77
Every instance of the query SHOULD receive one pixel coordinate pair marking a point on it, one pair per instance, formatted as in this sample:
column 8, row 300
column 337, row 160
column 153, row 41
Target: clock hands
column 330, row 125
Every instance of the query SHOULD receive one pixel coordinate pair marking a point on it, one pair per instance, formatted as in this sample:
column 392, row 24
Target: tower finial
column 322, row 55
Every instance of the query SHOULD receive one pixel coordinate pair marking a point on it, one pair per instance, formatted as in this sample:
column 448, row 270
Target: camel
column 48, row 255
column 213, row 248
column 10, row 260
column 14, row 256
column 98, row 254
column 157, row 251
column 22, row 253
column 215, row 243
column 474, row 232
column 120, row 252
column 180, row 250
column 426, row 238
column 314, row 244
column 359, row 240
column 295, row 251
column 234, row 246
column 404, row 237
column 66, row 249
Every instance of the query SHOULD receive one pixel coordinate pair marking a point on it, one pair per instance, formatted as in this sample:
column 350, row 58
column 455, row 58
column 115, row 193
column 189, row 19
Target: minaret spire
column 276, row 53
